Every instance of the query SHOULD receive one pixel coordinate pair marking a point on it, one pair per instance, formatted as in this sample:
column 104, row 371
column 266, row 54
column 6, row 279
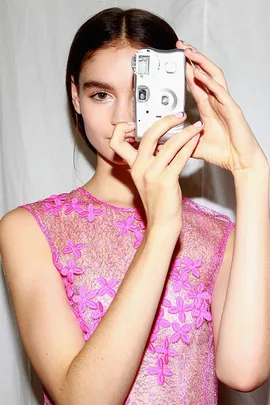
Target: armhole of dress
column 219, row 254
column 41, row 226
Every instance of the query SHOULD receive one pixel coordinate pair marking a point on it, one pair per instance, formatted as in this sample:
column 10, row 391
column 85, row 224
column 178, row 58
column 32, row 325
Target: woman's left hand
column 227, row 140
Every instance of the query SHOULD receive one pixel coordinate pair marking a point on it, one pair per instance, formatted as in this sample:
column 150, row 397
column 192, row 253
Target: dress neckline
column 88, row 194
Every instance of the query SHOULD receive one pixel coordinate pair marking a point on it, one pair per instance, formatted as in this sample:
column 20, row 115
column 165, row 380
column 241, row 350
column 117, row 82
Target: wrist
column 163, row 234
column 252, row 176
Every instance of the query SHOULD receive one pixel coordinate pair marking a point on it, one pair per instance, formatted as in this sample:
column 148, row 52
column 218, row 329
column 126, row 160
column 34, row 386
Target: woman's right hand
column 155, row 169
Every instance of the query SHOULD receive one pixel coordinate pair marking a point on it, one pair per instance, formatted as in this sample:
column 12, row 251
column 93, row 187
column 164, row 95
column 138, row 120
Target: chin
column 113, row 159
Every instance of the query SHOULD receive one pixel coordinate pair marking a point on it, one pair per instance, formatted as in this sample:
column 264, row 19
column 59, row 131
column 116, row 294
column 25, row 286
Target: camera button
column 170, row 67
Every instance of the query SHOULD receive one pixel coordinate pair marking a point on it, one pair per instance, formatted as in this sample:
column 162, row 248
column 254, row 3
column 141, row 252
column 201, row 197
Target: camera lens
column 142, row 94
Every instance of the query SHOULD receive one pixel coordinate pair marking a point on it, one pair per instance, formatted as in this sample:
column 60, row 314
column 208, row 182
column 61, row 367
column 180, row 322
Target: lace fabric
column 92, row 245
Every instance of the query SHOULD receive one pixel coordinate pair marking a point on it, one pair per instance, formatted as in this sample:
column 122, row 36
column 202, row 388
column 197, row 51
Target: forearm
column 103, row 372
column 243, row 344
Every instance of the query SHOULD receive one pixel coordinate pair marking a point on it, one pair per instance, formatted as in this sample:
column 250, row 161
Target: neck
column 114, row 184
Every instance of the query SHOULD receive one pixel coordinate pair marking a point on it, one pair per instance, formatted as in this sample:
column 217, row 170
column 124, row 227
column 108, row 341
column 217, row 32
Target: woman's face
column 106, row 97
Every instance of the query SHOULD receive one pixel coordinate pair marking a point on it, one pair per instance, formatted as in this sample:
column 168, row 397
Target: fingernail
column 130, row 122
column 183, row 42
column 179, row 114
column 198, row 124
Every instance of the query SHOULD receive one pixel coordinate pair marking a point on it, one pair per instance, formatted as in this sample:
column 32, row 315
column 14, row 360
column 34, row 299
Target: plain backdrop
column 38, row 157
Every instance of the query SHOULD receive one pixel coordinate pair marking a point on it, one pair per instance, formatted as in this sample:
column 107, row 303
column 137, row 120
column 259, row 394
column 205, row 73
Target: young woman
column 125, row 291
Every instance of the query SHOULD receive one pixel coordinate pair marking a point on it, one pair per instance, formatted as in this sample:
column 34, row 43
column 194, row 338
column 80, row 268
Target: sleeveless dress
column 92, row 245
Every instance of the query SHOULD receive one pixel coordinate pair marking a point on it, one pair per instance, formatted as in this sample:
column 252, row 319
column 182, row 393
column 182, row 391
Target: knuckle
column 149, row 177
column 134, row 172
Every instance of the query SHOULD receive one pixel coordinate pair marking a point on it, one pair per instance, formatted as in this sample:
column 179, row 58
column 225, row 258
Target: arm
column 75, row 372
column 241, row 315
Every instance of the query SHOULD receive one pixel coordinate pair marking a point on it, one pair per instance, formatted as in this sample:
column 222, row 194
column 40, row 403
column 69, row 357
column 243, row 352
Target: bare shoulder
column 49, row 330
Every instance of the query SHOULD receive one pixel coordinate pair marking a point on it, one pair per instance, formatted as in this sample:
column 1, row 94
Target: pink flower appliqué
column 164, row 349
column 57, row 199
column 153, row 338
column 83, row 325
column 71, row 248
column 192, row 265
column 91, row 212
column 180, row 309
column 69, row 290
column 70, row 270
column 51, row 208
column 160, row 371
column 126, row 226
column 161, row 322
column 107, row 287
column 180, row 281
column 201, row 314
column 199, row 295
column 74, row 205
column 139, row 236
column 85, row 298
column 181, row 332
column 99, row 311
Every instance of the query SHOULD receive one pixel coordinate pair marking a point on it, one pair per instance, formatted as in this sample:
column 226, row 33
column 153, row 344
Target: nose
column 124, row 110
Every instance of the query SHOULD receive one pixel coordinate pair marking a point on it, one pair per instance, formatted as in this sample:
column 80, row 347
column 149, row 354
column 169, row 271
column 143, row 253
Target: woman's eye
column 99, row 96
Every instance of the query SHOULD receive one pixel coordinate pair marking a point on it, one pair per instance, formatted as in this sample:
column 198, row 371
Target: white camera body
column 160, row 88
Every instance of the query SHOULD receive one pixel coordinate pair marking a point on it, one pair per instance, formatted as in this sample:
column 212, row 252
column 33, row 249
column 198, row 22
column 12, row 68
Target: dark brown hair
column 113, row 27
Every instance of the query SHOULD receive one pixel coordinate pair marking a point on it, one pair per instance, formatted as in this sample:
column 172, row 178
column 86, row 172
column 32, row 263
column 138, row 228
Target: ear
column 75, row 96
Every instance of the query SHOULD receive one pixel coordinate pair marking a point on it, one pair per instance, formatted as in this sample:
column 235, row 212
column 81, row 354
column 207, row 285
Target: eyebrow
column 99, row 84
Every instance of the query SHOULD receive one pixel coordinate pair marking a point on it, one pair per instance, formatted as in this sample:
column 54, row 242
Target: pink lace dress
column 92, row 245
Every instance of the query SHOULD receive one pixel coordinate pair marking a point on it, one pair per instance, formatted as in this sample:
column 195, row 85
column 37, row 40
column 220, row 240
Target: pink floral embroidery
column 107, row 287
column 91, row 213
column 85, row 328
column 76, row 249
column 160, row 371
column 160, row 321
column 70, row 270
column 126, row 226
column 74, row 205
column 52, row 209
column 69, row 290
column 153, row 338
column 180, row 309
column 176, row 263
column 201, row 314
column 180, row 333
column 164, row 349
column 139, row 235
column 57, row 199
column 180, row 281
column 83, row 325
column 99, row 311
column 192, row 266
column 85, row 298
column 199, row 295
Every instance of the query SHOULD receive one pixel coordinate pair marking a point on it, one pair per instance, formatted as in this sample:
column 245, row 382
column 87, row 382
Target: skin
column 240, row 303
column 100, row 118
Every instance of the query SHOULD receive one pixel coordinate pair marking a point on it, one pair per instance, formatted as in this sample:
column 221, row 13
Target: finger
column 175, row 168
column 120, row 146
column 150, row 138
column 208, row 66
column 217, row 89
column 172, row 147
column 199, row 91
